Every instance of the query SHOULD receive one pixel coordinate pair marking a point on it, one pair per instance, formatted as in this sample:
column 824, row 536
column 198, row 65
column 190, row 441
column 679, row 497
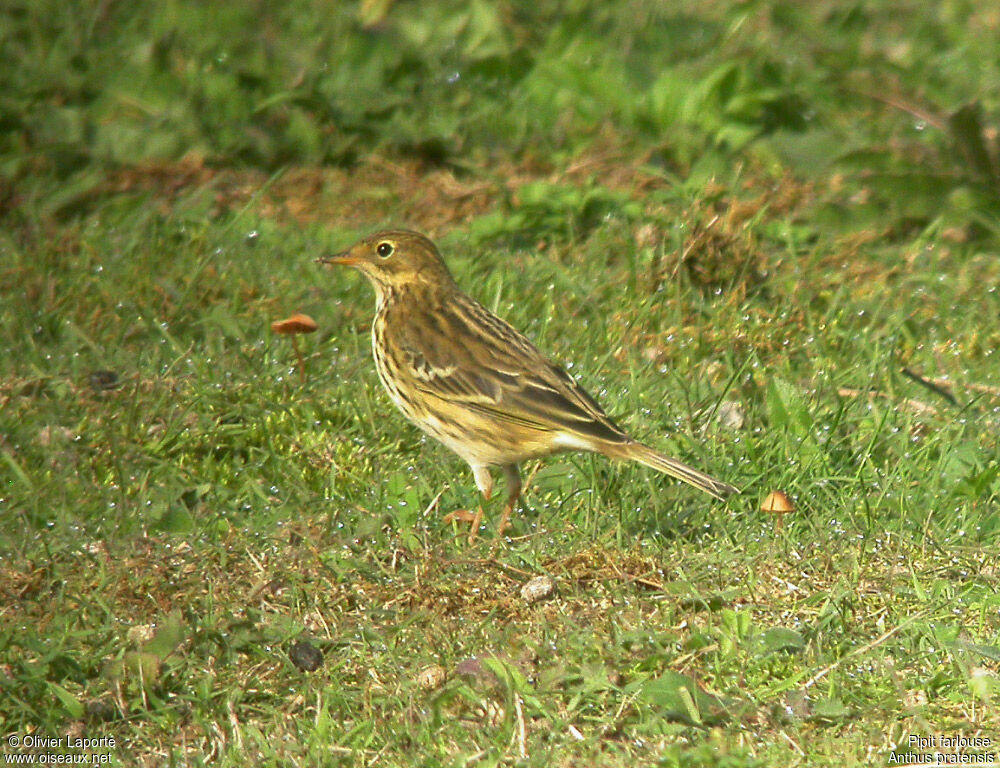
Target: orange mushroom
column 777, row 503
column 291, row 326
column 297, row 323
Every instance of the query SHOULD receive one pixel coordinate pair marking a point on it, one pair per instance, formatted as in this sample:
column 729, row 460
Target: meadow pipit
column 470, row 380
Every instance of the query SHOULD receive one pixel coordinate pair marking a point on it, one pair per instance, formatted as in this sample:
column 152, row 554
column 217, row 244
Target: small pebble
column 140, row 633
column 538, row 588
column 101, row 381
column 731, row 415
column 305, row 656
column 431, row 677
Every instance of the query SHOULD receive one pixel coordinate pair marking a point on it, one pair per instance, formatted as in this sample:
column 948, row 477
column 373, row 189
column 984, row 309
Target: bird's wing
column 465, row 354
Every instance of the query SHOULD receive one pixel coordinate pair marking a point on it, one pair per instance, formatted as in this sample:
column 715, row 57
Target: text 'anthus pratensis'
column 470, row 380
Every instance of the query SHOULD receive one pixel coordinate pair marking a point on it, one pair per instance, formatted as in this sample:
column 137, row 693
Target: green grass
column 776, row 259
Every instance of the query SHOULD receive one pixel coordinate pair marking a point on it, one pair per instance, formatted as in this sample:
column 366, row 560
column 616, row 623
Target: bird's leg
column 513, row 478
column 484, row 481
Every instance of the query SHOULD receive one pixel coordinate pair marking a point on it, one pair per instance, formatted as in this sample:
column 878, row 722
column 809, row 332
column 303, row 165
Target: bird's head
column 395, row 259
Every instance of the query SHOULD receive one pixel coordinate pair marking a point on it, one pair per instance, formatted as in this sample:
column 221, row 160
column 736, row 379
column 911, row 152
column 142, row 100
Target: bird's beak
column 344, row 259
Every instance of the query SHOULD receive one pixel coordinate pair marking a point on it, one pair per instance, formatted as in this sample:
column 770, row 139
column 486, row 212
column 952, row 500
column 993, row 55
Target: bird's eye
column 384, row 250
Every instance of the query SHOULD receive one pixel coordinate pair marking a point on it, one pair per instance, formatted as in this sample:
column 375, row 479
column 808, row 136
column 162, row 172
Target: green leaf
column 170, row 632
column 72, row 704
column 961, row 462
column 831, row 709
column 509, row 674
column 779, row 639
column 680, row 699
column 138, row 664
column 739, row 623
column 786, row 407
column 990, row 652
column 966, row 126
column 177, row 519
column 983, row 684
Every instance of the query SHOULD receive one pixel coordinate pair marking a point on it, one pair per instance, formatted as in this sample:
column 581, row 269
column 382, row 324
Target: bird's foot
column 473, row 518
column 504, row 523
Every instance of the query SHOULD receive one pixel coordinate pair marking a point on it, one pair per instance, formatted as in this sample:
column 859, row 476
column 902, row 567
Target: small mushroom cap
column 778, row 503
column 294, row 324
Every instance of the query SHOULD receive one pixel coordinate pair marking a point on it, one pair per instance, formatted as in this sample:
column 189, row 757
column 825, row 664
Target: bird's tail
column 678, row 469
